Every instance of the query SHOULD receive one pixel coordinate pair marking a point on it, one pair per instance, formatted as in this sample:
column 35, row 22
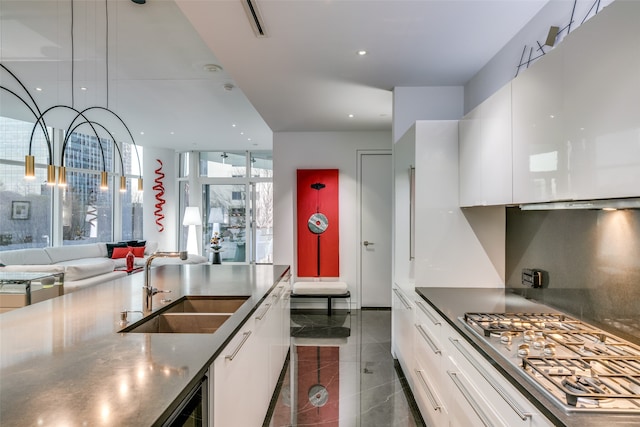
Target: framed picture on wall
column 20, row 210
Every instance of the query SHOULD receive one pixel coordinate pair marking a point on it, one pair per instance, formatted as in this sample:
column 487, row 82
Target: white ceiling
column 305, row 76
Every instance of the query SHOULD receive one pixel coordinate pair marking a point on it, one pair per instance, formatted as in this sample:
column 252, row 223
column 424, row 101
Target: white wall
column 167, row 240
column 425, row 103
column 320, row 150
column 503, row 66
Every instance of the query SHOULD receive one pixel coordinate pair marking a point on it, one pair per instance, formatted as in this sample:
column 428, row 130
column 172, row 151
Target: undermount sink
column 195, row 304
column 189, row 315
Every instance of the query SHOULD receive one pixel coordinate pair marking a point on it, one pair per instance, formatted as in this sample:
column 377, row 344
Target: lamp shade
column 192, row 216
column 215, row 216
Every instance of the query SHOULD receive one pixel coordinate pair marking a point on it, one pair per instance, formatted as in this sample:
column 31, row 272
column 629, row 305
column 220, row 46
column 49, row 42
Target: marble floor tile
column 341, row 374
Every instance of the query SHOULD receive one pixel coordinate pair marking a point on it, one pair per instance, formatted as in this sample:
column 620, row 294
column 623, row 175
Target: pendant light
column 29, row 167
column 104, row 180
column 123, row 184
column 62, row 176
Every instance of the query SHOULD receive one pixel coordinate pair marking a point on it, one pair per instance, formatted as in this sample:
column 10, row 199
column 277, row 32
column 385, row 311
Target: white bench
column 327, row 290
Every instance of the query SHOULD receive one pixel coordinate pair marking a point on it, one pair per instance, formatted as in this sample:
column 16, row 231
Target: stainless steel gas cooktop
column 580, row 367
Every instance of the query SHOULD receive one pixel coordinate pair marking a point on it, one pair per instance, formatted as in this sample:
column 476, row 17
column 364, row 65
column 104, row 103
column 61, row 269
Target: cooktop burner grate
column 496, row 323
column 589, row 381
column 579, row 366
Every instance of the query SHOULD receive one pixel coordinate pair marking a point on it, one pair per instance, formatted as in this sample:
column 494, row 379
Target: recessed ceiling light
column 83, row 88
column 172, row 133
column 39, row 89
column 233, row 125
column 362, row 52
column 141, row 133
column 241, row 133
column 248, row 139
column 351, row 116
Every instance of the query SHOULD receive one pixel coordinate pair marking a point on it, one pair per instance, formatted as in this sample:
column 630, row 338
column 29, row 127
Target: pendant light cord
column 106, row 13
column 72, row 61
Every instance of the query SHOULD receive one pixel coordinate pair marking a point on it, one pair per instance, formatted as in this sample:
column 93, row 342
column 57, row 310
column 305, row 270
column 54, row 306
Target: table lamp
column 191, row 219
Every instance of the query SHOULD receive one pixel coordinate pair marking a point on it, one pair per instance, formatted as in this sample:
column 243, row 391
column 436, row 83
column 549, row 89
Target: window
column 131, row 205
column 25, row 206
column 85, row 212
column 223, row 164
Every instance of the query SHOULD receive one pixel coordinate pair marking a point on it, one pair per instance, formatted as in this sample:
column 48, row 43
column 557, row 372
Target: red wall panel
column 318, row 253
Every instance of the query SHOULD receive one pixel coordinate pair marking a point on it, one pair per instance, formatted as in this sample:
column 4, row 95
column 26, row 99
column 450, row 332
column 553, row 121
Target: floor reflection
column 341, row 373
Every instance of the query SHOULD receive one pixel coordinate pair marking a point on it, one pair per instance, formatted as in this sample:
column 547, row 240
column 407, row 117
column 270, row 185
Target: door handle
column 367, row 243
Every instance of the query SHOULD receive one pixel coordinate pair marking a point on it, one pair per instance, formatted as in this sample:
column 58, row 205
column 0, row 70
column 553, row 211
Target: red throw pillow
column 120, row 253
column 138, row 252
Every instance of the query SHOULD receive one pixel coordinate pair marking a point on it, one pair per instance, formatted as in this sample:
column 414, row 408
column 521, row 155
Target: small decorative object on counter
column 130, row 260
column 215, row 247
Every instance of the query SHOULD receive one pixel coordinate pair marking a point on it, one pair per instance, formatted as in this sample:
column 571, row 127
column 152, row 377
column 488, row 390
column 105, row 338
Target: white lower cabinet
column 238, row 378
column 245, row 374
column 402, row 331
column 429, row 382
column 455, row 386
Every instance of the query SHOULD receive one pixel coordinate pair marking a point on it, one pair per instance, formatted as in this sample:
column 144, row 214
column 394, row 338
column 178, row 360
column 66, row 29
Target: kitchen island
column 451, row 304
column 64, row 362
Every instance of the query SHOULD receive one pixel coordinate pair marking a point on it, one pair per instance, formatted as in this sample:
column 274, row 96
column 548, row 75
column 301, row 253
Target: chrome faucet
column 149, row 291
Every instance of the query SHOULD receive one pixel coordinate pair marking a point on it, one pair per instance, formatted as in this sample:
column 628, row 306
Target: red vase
column 130, row 260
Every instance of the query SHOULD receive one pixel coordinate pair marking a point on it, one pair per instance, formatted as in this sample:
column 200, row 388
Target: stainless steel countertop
column 63, row 362
column 452, row 303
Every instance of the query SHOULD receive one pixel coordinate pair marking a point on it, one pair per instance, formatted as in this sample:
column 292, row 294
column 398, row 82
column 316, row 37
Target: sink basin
column 218, row 304
column 181, row 323
column 190, row 315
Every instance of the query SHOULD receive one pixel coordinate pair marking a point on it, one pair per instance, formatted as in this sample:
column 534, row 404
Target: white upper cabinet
column 576, row 115
column 539, row 150
column 601, row 78
column 485, row 152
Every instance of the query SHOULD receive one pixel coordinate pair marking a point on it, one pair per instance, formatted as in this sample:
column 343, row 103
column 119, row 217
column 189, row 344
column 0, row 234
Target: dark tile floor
column 341, row 373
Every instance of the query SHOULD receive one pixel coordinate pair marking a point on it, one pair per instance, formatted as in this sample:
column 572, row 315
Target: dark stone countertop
column 452, row 303
column 64, row 362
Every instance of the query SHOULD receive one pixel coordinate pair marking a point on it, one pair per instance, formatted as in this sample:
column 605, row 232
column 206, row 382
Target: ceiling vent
column 255, row 19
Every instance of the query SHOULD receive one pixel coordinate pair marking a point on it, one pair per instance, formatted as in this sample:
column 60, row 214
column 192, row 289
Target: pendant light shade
column 140, row 186
column 62, row 176
column 51, row 175
column 29, row 167
column 123, row 184
column 104, row 180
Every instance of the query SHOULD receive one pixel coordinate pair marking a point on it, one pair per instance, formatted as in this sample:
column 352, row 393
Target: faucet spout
column 149, row 291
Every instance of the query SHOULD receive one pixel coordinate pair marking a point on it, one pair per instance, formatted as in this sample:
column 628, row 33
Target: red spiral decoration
column 159, row 189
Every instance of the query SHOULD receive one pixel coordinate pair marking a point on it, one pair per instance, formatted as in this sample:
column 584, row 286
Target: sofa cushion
column 320, row 288
column 83, row 271
column 65, row 253
column 32, row 256
column 120, row 252
column 111, row 246
column 138, row 252
column 42, row 268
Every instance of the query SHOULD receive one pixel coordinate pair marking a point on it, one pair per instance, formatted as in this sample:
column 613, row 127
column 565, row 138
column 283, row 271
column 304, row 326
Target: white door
column 375, row 228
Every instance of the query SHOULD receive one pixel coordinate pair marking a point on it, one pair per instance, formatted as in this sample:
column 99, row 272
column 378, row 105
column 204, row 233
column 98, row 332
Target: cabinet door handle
column 235, row 352
column 469, row 398
column 266, row 308
column 428, row 339
column 497, row 387
column 402, row 299
column 437, row 406
column 431, row 317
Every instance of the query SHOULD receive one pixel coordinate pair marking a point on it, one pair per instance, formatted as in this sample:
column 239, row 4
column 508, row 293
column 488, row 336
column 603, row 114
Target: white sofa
column 82, row 265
